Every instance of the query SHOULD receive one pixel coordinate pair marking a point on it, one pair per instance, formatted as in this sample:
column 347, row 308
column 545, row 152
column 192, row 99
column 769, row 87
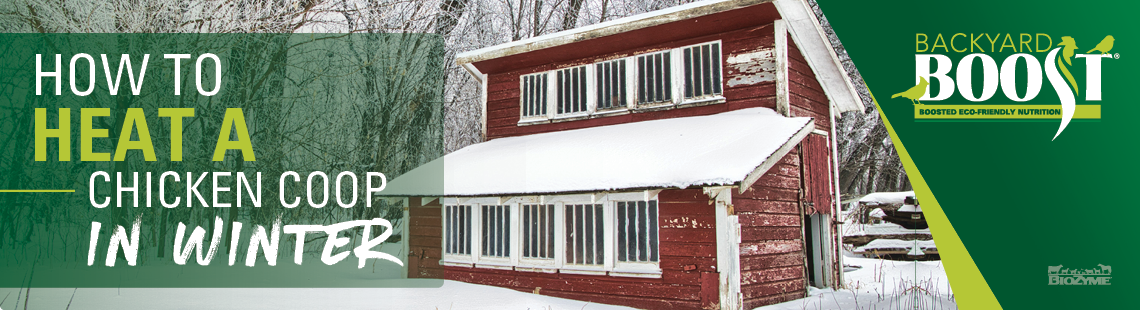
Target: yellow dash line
column 37, row 190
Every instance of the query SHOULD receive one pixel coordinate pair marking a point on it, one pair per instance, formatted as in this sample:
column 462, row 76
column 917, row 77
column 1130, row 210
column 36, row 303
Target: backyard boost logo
column 1020, row 77
column 1077, row 276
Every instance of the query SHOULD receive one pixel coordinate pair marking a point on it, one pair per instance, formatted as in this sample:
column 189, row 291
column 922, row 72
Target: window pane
column 588, row 229
column 528, row 231
column 642, row 227
column 621, row 230
column 582, row 89
column 542, row 103
column 653, row 242
column 668, row 78
column 688, row 77
column 698, row 66
column 620, row 77
column 631, row 231
column 569, row 225
column 487, row 236
column 658, row 82
column 464, row 222
column 642, row 80
column 716, row 79
column 549, row 224
column 559, row 96
column 706, row 65
column 579, row 238
column 599, row 235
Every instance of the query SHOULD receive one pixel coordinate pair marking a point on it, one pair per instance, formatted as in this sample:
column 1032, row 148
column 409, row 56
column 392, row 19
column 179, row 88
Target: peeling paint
column 767, row 53
column 751, row 68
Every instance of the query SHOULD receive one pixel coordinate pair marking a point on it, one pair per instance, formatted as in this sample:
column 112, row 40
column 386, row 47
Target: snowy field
column 882, row 284
column 877, row 284
column 453, row 295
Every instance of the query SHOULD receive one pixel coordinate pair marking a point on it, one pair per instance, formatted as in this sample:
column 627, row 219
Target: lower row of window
column 582, row 228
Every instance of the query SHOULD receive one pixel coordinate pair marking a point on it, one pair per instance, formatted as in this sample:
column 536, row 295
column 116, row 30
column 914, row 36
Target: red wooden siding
column 771, row 248
column 805, row 95
column 425, row 231
column 688, row 239
column 745, row 84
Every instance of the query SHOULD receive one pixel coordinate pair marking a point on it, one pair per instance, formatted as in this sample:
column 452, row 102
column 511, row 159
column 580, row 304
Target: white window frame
column 465, row 260
column 607, row 244
column 630, row 97
column 496, row 262
column 636, row 269
column 609, row 266
column 591, row 102
column 677, row 88
column 679, row 77
column 547, row 265
column 632, row 84
column 539, row 118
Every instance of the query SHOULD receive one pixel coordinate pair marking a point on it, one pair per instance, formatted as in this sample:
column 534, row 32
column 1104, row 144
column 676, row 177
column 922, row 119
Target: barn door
column 817, row 193
column 816, row 160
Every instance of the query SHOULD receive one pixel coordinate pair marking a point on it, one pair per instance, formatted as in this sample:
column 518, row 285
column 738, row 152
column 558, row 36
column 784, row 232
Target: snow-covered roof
column 885, row 198
column 895, row 244
column 806, row 30
column 721, row 149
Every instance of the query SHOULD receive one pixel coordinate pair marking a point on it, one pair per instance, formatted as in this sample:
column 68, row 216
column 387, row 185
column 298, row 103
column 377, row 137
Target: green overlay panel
column 199, row 155
column 1044, row 212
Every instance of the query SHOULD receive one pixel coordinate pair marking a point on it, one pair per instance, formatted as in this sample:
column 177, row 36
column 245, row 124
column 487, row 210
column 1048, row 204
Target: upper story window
column 660, row 79
column 702, row 70
column 610, row 85
column 572, row 90
column 533, row 93
column 654, row 78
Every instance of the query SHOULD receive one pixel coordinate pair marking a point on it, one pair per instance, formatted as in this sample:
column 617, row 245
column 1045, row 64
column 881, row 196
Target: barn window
column 702, row 70
column 572, row 91
column 584, row 234
column 612, row 234
column 496, row 235
column 533, row 95
column 654, row 78
column 538, row 231
column 610, row 84
column 457, row 229
column 637, row 231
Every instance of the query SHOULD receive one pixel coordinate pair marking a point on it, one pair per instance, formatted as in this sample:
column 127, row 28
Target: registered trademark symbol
column 1116, row 56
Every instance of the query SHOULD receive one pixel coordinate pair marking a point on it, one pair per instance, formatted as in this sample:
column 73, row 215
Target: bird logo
column 914, row 92
column 1068, row 48
column 1104, row 46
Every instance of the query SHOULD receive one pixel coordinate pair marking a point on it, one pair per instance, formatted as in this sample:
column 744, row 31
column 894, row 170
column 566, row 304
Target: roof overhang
column 728, row 149
column 805, row 28
column 621, row 25
column 813, row 42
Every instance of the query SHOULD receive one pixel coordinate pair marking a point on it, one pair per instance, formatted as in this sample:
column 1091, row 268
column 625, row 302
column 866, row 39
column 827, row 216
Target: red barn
column 682, row 158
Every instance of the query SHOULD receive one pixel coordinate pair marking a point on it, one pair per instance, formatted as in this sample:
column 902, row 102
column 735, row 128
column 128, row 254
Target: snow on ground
column 453, row 295
column 882, row 284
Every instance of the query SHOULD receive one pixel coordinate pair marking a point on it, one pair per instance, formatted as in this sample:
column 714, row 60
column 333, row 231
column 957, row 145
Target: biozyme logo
column 1028, row 62
column 1061, row 275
